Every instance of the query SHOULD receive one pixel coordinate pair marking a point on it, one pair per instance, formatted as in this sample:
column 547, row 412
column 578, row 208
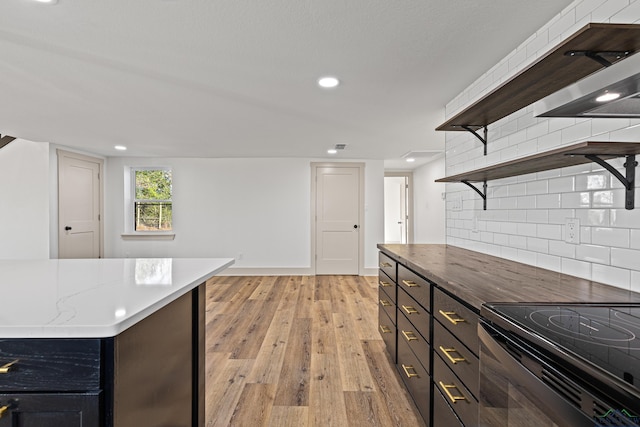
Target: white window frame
column 130, row 233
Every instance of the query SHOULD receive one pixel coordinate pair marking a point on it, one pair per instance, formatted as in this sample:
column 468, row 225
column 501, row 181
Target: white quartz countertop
column 92, row 298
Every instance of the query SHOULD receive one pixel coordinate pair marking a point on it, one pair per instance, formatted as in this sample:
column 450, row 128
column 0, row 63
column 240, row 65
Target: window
column 152, row 199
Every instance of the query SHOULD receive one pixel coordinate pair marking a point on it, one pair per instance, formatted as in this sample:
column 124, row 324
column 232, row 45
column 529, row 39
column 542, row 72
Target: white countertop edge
column 106, row 331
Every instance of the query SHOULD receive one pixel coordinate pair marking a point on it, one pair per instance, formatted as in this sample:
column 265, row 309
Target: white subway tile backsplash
column 538, row 245
column 562, row 185
column 625, row 258
column 593, row 253
column 618, row 237
column 576, row 268
column 549, row 262
column 635, row 239
column 538, row 187
column 526, row 214
column 577, row 132
column 618, row 277
column 608, row 9
column 576, row 200
column 586, row 7
column 517, row 190
column 548, row 201
column 526, row 229
column 593, row 216
column 601, row 126
column 549, row 231
column 592, row 181
column 628, row 15
column 559, row 123
column 562, row 249
column 559, row 216
column 526, row 202
column 560, row 26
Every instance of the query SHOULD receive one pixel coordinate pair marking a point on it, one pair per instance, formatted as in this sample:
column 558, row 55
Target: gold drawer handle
column 5, row 369
column 385, row 329
column 385, row 303
column 410, row 374
column 454, row 399
column 453, row 360
column 384, row 284
column 3, row 409
column 448, row 314
column 410, row 284
column 410, row 310
column 410, row 335
column 385, row 265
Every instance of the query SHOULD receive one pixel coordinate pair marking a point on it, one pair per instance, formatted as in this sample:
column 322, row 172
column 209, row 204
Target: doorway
column 397, row 207
column 79, row 206
column 337, row 210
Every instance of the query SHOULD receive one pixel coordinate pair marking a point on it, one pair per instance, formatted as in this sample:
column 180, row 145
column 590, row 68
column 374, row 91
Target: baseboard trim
column 262, row 271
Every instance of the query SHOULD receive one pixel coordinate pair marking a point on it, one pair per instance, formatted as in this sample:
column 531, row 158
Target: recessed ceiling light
column 120, row 147
column 609, row 96
column 332, row 151
column 47, row 1
column 328, row 82
column 410, row 159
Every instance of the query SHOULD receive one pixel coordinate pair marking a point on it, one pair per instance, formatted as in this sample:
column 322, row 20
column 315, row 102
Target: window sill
column 148, row 235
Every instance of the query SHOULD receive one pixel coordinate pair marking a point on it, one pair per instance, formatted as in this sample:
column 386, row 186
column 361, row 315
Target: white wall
column 525, row 215
column 428, row 203
column 259, row 208
column 24, row 194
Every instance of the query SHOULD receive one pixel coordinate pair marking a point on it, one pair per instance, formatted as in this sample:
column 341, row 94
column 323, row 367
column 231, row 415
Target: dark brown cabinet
column 151, row 374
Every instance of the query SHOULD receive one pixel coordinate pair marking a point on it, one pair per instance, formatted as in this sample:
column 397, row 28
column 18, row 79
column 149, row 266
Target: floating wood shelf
column 549, row 73
column 576, row 154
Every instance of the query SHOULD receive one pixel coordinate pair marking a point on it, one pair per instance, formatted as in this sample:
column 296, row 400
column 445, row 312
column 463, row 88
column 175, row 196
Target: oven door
column 510, row 395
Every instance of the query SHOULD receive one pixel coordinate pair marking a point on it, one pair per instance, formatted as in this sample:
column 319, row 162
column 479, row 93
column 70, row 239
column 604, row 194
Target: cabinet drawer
column 415, row 378
column 388, row 333
column 387, row 285
column 388, row 265
column 416, row 314
column 385, row 304
column 49, row 364
column 414, row 339
column 443, row 415
column 416, row 286
column 51, row 409
column 456, row 394
column 457, row 318
column 457, row 357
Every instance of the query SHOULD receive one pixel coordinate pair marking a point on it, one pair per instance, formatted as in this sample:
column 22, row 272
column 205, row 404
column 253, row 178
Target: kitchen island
column 103, row 342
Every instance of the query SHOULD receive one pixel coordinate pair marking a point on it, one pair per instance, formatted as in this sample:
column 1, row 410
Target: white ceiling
column 237, row 78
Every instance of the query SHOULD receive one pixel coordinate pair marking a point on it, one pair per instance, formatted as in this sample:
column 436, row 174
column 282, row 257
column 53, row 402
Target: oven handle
column 551, row 403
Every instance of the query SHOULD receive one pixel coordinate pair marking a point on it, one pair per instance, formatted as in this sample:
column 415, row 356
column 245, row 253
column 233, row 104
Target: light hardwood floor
column 300, row 351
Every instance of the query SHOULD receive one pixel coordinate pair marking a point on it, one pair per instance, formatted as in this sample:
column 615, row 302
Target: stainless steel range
column 560, row 365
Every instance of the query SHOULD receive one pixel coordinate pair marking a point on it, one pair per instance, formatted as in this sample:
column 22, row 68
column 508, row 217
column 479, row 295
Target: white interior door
column 395, row 209
column 337, row 220
column 78, row 206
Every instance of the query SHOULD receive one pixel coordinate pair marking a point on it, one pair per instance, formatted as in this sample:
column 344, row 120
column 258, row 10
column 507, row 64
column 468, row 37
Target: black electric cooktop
column 605, row 335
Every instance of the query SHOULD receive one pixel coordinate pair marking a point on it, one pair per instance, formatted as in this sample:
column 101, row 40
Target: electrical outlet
column 456, row 203
column 572, row 231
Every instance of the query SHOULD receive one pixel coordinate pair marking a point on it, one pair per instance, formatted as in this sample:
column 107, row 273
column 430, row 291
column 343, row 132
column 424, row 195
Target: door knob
column 355, row 226
column 67, row 228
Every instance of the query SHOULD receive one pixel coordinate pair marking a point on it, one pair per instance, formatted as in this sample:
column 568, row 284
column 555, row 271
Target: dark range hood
column 579, row 99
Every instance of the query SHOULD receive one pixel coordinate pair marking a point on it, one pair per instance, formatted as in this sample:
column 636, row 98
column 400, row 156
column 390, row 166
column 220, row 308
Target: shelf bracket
column 482, row 193
column 599, row 56
column 628, row 181
column 483, row 140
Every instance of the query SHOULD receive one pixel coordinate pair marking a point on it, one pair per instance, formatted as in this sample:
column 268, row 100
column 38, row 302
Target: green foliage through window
column 152, row 202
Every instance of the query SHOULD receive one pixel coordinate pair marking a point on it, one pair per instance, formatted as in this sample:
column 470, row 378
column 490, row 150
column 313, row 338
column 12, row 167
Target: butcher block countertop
column 477, row 278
